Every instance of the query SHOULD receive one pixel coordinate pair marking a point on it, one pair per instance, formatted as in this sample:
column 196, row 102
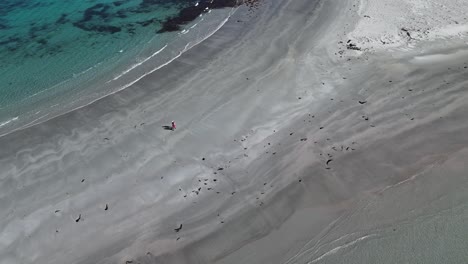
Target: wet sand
column 287, row 151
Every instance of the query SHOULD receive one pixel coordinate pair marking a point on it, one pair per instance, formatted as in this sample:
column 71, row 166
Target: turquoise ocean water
column 56, row 55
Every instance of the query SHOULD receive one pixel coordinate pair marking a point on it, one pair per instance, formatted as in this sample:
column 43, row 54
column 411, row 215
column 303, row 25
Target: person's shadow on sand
column 167, row 127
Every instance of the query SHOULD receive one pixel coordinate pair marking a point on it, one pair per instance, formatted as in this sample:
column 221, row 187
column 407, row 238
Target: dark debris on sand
column 178, row 229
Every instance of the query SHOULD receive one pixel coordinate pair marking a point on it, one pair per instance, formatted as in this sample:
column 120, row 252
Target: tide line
column 8, row 121
column 137, row 64
column 335, row 250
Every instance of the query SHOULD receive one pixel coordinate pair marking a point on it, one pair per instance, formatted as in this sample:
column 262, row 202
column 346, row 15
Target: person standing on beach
column 173, row 125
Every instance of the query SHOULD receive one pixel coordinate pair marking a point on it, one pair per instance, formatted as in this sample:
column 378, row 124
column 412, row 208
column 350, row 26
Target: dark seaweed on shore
column 190, row 13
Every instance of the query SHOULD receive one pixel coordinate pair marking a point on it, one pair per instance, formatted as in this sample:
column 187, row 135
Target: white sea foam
column 8, row 121
column 137, row 64
column 85, row 71
column 335, row 250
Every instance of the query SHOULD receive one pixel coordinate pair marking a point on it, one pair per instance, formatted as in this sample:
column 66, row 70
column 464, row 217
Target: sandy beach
column 307, row 132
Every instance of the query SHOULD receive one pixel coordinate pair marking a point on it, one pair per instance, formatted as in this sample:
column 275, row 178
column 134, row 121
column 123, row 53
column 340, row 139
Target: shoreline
column 143, row 68
column 290, row 148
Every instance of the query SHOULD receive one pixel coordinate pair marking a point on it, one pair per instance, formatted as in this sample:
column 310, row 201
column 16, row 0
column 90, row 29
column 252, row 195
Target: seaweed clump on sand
column 251, row 3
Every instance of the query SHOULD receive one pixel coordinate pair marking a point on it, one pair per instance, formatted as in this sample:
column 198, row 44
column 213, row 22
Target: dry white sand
column 290, row 148
column 388, row 24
